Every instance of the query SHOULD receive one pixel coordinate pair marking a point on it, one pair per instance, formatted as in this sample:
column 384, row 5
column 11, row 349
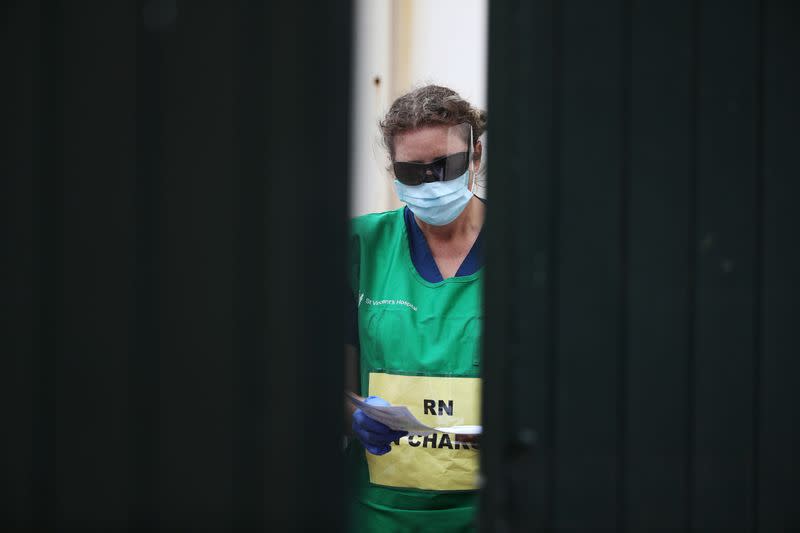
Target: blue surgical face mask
column 437, row 203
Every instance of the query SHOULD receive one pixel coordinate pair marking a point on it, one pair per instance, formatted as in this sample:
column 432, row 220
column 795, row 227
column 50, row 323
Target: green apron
column 420, row 347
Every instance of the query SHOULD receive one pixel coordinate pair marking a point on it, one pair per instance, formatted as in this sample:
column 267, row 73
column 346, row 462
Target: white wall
column 372, row 59
column 406, row 44
column 449, row 46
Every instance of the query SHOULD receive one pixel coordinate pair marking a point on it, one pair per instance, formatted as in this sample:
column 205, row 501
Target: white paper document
column 399, row 418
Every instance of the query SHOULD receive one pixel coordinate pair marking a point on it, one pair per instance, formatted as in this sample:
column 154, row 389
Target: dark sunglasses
column 443, row 169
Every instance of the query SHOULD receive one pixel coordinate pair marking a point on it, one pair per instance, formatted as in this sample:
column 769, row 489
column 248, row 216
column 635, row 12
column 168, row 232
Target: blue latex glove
column 375, row 436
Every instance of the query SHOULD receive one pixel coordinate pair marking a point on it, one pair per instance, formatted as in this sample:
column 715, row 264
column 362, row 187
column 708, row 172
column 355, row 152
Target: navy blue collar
column 422, row 257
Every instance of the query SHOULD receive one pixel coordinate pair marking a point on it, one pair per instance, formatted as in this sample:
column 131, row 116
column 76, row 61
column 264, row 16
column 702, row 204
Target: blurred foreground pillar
column 174, row 204
column 641, row 344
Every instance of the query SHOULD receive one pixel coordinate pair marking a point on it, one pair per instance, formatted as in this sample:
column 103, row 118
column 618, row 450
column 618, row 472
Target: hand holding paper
column 374, row 435
column 399, row 418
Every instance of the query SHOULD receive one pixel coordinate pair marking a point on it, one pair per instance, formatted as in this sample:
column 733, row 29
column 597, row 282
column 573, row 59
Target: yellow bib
column 435, row 462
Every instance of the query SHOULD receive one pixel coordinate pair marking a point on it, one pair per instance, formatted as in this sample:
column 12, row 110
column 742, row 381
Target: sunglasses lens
column 443, row 169
column 455, row 165
column 409, row 173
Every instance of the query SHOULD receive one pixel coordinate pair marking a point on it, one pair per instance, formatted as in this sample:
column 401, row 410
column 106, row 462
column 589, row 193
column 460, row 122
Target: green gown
column 420, row 347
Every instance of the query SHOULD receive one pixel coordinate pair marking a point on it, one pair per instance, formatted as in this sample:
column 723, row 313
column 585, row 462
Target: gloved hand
column 375, row 436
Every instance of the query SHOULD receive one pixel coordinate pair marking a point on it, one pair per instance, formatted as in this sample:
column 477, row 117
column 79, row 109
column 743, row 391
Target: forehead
column 428, row 143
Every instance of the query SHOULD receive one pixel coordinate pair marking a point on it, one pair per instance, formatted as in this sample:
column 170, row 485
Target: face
column 429, row 143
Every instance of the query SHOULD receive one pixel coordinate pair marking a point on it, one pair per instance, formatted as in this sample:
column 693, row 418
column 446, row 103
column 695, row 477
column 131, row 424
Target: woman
column 417, row 283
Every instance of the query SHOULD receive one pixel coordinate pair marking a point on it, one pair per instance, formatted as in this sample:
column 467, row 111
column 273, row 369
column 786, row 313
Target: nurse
column 416, row 278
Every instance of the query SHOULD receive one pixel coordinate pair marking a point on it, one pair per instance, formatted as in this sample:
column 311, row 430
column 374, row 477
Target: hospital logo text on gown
column 384, row 301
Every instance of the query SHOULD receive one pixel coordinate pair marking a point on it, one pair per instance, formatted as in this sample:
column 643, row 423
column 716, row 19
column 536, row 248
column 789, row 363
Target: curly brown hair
column 430, row 105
